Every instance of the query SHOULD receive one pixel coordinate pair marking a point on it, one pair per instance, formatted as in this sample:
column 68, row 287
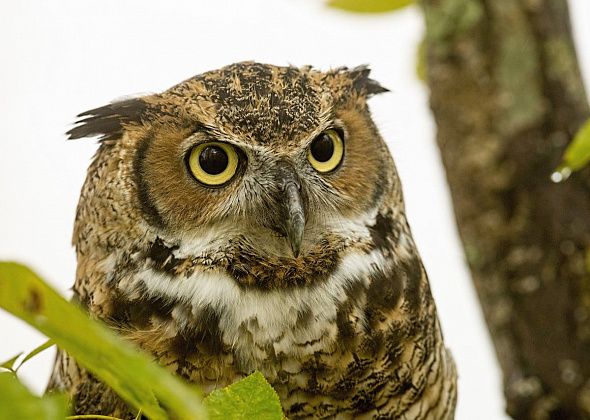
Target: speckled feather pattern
column 204, row 280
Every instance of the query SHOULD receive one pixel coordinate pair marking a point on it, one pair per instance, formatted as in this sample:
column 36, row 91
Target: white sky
column 58, row 61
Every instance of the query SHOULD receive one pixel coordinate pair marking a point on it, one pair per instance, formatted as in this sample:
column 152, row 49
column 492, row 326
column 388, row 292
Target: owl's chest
column 213, row 331
column 336, row 343
column 260, row 325
column 298, row 341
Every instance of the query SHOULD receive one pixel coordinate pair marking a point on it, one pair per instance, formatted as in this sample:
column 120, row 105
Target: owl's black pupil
column 322, row 148
column 213, row 160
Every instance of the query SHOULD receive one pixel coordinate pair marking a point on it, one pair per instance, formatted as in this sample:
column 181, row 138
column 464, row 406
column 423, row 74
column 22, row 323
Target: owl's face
column 279, row 161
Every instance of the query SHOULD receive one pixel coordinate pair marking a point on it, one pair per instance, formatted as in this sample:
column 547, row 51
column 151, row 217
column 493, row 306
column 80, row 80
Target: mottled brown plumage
column 211, row 280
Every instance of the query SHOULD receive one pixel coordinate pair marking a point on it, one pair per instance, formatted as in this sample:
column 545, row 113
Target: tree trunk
column 507, row 96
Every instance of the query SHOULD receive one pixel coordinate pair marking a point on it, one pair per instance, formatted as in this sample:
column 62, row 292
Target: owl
column 251, row 218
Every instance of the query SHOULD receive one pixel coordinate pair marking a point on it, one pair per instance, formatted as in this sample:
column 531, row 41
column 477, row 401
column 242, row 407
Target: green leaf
column 369, row 6
column 577, row 154
column 9, row 364
column 17, row 402
column 250, row 398
column 35, row 352
column 131, row 373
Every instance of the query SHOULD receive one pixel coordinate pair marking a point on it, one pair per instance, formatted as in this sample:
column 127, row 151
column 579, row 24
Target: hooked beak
column 294, row 222
column 295, row 217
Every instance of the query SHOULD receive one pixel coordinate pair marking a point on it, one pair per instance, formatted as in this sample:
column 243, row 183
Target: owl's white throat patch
column 267, row 318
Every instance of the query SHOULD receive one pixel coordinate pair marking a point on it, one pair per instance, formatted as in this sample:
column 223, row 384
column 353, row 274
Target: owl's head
column 278, row 163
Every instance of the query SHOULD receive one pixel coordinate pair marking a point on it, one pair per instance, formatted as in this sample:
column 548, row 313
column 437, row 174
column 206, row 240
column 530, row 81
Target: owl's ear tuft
column 363, row 84
column 108, row 121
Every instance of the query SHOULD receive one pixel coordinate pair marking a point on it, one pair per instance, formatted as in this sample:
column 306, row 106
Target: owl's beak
column 294, row 222
column 295, row 217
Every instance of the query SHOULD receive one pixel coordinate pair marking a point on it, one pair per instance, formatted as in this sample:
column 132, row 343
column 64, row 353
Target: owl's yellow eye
column 213, row 163
column 326, row 151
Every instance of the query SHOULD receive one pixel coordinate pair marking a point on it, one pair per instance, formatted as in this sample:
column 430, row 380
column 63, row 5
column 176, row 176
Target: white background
column 60, row 58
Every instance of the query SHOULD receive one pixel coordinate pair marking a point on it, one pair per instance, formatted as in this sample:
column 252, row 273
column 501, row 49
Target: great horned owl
column 252, row 218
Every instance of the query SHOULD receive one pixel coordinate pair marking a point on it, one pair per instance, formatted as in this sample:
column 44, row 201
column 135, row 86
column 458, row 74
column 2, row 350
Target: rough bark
column 507, row 97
